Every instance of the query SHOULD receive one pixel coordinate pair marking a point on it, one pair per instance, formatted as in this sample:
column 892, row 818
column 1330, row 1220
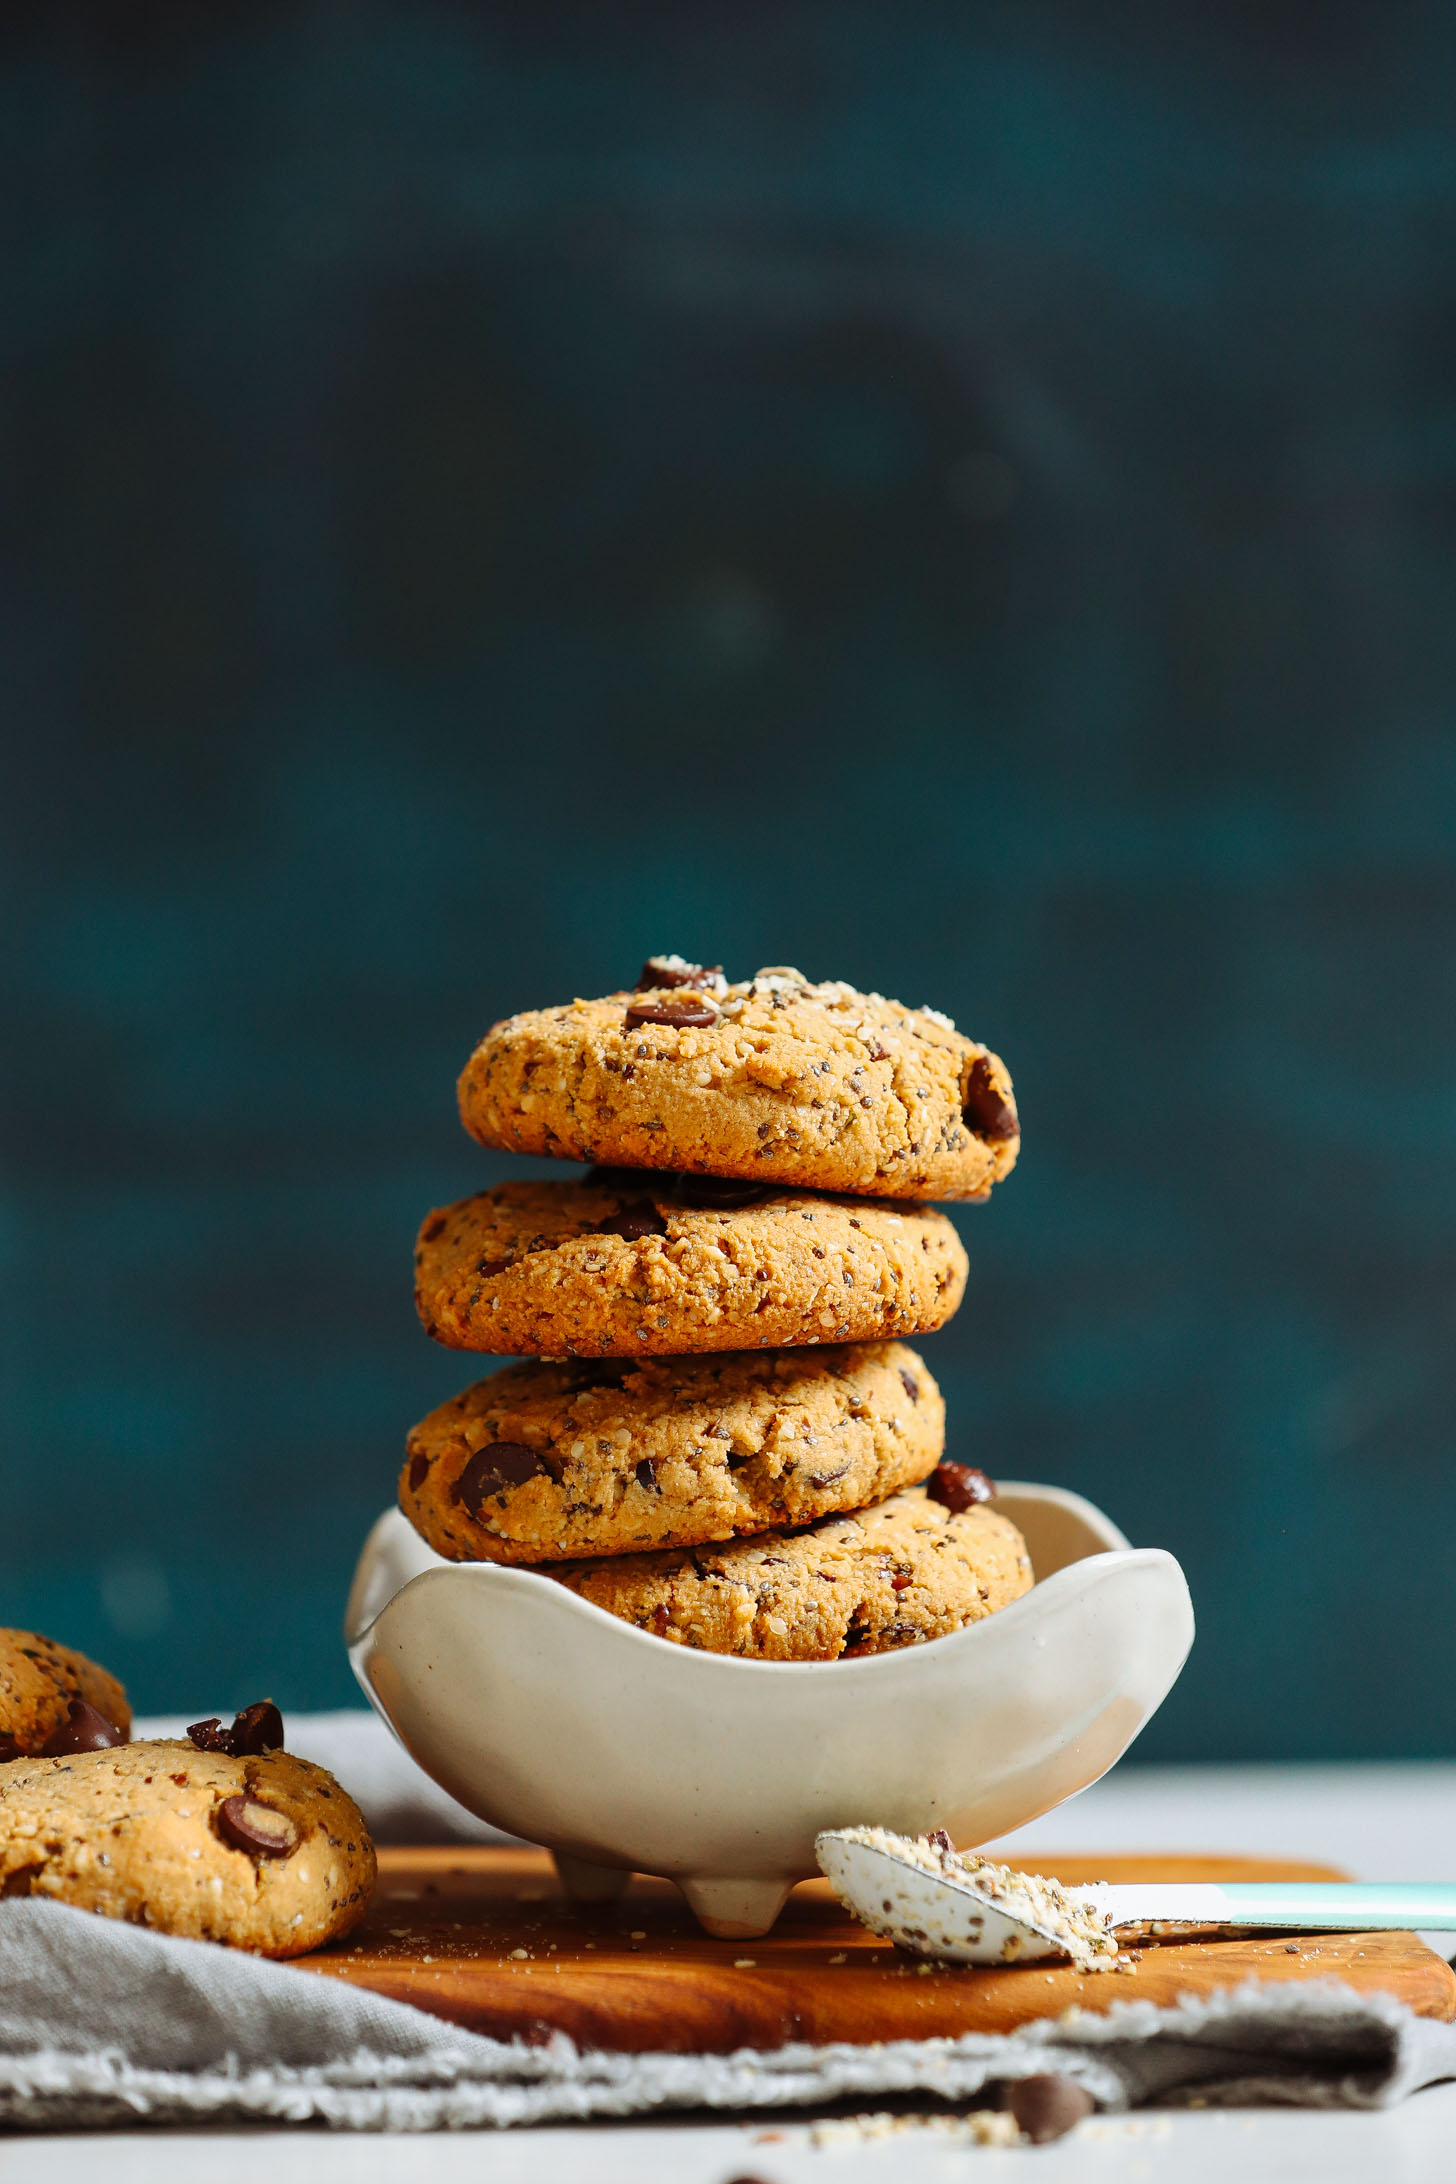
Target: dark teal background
column 959, row 499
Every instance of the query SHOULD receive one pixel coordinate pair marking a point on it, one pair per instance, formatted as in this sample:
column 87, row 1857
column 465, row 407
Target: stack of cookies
column 718, row 1434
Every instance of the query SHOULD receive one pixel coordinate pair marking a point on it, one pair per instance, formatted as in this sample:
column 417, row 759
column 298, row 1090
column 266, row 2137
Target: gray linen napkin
column 102, row 2023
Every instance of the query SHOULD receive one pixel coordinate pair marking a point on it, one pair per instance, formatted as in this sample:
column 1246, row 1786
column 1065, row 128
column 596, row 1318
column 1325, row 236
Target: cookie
column 893, row 1576
column 263, row 1852
column 630, row 1263
column 40, row 1684
column 548, row 1461
column 773, row 1080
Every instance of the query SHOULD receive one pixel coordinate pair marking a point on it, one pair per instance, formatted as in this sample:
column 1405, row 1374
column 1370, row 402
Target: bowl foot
column 588, row 1884
column 735, row 1910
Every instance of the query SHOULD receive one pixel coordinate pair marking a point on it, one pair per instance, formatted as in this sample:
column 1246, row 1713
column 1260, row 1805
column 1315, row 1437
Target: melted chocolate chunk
column 647, row 1476
column 682, row 1015
column 640, row 1218
column 259, row 1728
column 958, row 1486
column 623, row 1179
column 910, row 1384
column 717, row 1193
column 1048, row 2107
column 418, row 1472
column 498, row 1467
column 983, row 1107
column 657, row 973
column 83, row 1730
column 257, row 1829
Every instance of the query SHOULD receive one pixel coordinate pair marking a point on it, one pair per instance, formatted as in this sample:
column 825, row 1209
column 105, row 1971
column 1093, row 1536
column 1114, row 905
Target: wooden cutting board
column 486, row 1938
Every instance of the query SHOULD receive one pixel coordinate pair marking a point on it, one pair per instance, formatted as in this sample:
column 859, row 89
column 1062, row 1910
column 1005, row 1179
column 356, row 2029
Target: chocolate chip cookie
column 547, row 1461
column 630, row 1263
column 43, row 1684
column 909, row 1570
column 773, row 1080
column 264, row 1852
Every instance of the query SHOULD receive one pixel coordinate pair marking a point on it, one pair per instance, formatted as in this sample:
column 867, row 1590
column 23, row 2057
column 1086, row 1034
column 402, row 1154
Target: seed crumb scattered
column 978, row 2127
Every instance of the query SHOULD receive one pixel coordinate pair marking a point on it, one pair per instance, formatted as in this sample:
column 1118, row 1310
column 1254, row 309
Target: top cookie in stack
column 723, row 1117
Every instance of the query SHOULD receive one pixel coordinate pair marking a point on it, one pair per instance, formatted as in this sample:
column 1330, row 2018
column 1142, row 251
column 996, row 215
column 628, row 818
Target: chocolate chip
column 910, row 1384
column 983, row 1107
column 210, row 1736
column 83, row 1730
column 958, row 1486
column 259, row 1728
column 682, row 1015
column 657, row 973
column 901, row 1584
column 647, row 1476
column 635, row 1221
column 580, row 1373
column 617, row 1179
column 829, row 1478
column 718, row 1194
column 941, row 1840
column 9, row 1746
column 1047, row 2107
column 256, row 1828
column 432, row 1228
column 418, row 1472
column 498, row 1467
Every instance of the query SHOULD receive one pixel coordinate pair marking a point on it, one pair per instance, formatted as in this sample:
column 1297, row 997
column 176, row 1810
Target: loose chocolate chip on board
column 985, row 1111
column 941, row 1840
column 634, row 1222
column 1048, row 2107
column 682, row 1015
column 256, row 1828
column 658, row 973
column 498, row 1467
column 958, row 1486
column 83, row 1730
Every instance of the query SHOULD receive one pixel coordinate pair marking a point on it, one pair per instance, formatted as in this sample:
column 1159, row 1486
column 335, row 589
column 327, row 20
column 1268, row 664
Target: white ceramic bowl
column 555, row 1721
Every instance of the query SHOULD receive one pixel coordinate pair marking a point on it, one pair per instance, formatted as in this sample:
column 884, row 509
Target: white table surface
column 1392, row 1822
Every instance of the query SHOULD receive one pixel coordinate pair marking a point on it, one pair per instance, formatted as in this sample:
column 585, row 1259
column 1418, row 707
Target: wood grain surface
column 486, row 1938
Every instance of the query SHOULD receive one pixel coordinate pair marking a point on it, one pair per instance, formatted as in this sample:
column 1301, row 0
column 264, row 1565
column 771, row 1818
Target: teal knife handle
column 1347, row 1906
